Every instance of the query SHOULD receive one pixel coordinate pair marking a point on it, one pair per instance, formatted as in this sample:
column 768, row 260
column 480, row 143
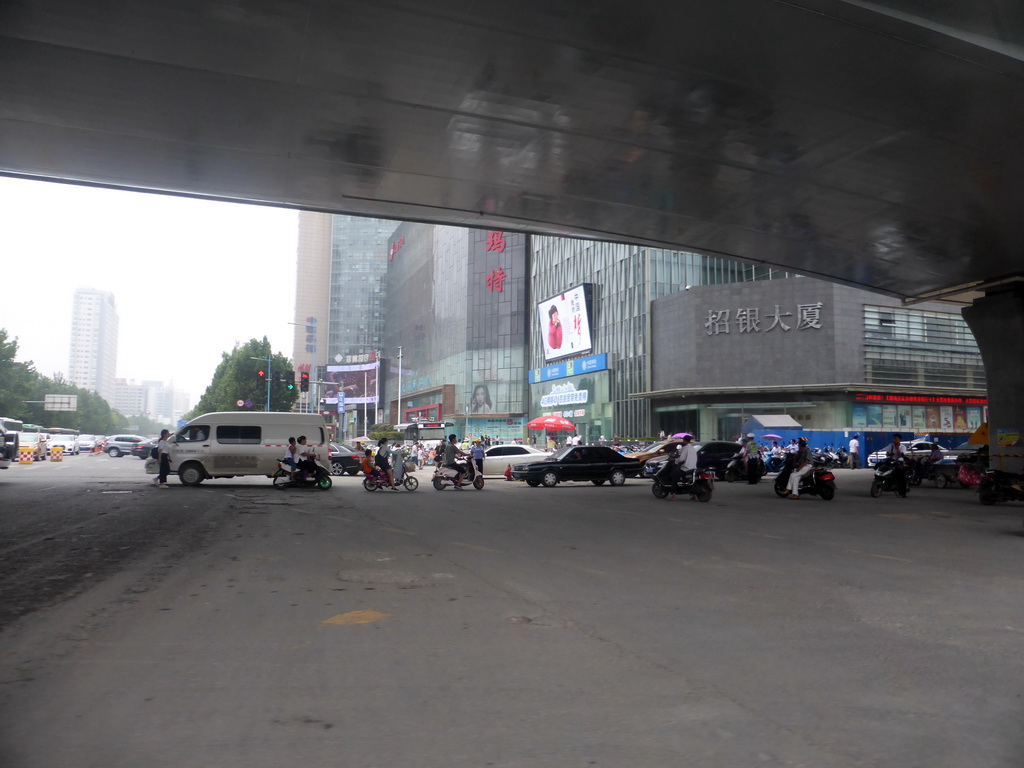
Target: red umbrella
column 551, row 424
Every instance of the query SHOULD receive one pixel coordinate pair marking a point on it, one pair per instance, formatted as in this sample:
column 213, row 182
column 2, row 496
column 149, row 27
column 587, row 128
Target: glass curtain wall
column 359, row 266
column 626, row 279
column 918, row 348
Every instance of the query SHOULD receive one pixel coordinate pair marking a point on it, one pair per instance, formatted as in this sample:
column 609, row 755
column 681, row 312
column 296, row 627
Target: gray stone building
column 830, row 356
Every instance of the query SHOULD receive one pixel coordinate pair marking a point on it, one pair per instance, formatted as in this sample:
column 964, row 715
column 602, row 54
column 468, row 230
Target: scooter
column 820, row 481
column 698, row 483
column 379, row 479
column 320, row 478
column 445, row 477
column 886, row 478
column 734, row 470
column 997, row 485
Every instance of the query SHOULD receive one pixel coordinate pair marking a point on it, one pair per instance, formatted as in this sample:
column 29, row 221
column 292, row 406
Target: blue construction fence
column 869, row 441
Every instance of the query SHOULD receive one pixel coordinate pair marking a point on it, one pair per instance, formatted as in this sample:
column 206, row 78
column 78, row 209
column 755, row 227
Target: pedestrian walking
column 163, row 455
column 855, row 451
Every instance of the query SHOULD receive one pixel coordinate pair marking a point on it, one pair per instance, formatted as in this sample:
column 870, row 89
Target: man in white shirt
column 686, row 461
column 854, row 452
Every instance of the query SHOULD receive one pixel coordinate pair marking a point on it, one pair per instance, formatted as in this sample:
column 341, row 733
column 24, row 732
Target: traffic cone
column 508, row 472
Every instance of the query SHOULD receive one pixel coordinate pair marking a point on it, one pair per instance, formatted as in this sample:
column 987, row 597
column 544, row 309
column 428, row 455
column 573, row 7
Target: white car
column 68, row 442
column 86, row 442
column 918, row 449
column 498, row 457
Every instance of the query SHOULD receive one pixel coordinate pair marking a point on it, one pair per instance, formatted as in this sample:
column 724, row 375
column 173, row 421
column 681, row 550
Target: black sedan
column 142, row 450
column 714, row 455
column 595, row 463
column 344, row 460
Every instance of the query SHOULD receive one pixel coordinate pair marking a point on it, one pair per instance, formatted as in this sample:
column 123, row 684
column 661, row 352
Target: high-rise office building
column 94, row 342
column 339, row 291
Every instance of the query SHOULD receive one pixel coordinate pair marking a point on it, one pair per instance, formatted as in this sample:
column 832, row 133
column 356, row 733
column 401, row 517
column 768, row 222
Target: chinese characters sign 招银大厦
column 749, row 319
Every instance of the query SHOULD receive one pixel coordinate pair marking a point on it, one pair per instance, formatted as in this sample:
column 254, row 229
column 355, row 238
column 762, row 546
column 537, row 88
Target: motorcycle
column 734, row 470
column 669, row 480
column 820, row 481
column 446, row 476
column 886, row 478
column 320, row 478
column 997, row 485
column 832, row 459
column 379, row 479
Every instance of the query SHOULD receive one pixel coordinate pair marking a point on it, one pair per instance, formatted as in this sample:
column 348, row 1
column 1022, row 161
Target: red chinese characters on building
column 496, row 242
column 395, row 248
column 496, row 280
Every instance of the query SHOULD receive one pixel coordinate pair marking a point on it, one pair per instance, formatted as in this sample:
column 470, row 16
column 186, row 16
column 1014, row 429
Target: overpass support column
column 998, row 325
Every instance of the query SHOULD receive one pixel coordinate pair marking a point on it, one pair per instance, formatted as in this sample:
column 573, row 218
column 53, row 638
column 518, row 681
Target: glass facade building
column 626, row 279
column 457, row 307
column 359, row 268
column 913, row 347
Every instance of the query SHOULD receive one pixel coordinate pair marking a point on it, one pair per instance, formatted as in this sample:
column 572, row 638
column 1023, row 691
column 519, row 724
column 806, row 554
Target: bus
column 423, row 431
column 11, row 425
column 10, row 429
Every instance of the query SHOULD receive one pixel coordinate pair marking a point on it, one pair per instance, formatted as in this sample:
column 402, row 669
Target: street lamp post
column 399, row 412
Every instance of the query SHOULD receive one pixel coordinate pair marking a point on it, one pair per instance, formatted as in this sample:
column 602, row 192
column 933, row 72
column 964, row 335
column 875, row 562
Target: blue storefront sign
column 569, row 368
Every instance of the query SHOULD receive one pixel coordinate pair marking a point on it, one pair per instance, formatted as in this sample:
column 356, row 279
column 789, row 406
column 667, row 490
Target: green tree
column 16, row 380
column 235, row 379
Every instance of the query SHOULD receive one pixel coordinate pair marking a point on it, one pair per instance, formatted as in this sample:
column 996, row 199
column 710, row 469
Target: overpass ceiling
column 876, row 144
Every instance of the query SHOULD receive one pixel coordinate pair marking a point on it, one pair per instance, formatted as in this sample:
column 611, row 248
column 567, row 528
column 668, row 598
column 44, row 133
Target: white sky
column 190, row 278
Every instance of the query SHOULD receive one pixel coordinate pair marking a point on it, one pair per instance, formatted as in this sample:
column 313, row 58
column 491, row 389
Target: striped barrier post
column 24, row 457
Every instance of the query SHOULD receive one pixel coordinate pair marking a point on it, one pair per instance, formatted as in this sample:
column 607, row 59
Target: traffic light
column 303, row 382
column 289, row 380
column 277, row 378
column 261, row 377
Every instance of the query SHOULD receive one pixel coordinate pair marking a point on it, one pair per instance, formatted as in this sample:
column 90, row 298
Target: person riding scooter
column 451, row 453
column 896, row 452
column 686, row 460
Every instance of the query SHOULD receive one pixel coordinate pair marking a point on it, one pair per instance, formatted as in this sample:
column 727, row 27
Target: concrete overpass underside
column 872, row 143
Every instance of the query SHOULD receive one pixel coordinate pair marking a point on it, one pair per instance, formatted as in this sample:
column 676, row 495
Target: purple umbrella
column 681, row 435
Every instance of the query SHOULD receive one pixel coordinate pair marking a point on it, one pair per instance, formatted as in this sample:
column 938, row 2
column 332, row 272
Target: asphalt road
column 236, row 625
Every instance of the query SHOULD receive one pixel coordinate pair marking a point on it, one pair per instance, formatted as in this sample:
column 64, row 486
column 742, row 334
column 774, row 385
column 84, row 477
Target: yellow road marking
column 357, row 617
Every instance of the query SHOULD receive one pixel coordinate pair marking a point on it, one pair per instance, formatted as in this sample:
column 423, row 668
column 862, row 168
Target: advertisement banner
column 960, row 418
column 973, row 417
column 920, row 418
column 874, row 417
column 888, row 417
column 358, row 382
column 946, row 418
column 565, row 323
column 860, row 416
column 903, row 417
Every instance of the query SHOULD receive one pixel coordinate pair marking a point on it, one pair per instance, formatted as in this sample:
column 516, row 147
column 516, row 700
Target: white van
column 230, row 444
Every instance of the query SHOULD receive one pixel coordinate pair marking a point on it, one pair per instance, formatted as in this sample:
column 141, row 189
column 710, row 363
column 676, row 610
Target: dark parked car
column 142, row 450
column 344, row 460
column 714, row 455
column 595, row 463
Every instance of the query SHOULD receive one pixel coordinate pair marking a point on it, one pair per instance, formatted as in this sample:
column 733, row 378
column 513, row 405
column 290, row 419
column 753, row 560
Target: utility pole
column 399, row 412
column 269, row 360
